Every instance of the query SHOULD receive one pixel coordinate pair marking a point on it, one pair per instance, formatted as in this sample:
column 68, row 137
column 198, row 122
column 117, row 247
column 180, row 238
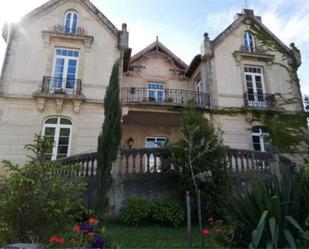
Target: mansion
column 59, row 60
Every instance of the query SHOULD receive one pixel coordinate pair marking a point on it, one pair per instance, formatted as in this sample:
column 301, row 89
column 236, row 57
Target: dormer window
column 70, row 22
column 249, row 44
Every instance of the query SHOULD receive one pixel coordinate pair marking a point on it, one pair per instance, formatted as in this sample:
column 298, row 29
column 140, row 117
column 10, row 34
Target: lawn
column 155, row 237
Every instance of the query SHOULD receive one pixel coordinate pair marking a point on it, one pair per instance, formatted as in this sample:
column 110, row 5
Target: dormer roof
column 158, row 47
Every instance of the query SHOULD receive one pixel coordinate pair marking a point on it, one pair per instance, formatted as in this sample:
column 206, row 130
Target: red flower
column 61, row 240
column 76, row 228
column 53, row 239
column 205, row 232
column 91, row 234
column 210, row 219
column 92, row 220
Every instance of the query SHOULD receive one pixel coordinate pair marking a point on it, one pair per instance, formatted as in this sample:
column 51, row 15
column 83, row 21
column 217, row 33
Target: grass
column 155, row 237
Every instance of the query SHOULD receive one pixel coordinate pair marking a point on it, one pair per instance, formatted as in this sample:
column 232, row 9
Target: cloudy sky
column 180, row 24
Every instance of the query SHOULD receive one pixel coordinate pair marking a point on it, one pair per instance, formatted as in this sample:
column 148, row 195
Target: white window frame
column 57, row 127
column 72, row 12
column 65, row 68
column 262, row 137
column 156, row 90
column 248, row 38
column 256, row 101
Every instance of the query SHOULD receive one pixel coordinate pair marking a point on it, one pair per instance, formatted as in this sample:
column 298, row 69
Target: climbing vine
column 288, row 129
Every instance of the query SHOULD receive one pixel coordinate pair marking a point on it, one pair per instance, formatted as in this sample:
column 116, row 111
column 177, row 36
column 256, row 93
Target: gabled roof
column 158, row 47
column 91, row 7
column 246, row 14
column 241, row 17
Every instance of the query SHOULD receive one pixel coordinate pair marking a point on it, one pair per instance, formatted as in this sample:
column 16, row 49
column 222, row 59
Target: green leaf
column 269, row 245
column 294, row 223
column 289, row 238
column 272, row 227
column 257, row 233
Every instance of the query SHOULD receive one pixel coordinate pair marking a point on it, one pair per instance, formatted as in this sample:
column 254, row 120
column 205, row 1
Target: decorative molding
column 59, row 105
column 40, row 104
column 76, row 106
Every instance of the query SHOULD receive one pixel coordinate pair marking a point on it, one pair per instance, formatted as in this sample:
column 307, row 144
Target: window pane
column 63, row 141
column 64, row 132
column 51, row 121
column 256, row 143
column 63, row 149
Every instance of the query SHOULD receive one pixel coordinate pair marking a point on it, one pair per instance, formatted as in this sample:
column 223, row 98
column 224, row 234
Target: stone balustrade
column 156, row 161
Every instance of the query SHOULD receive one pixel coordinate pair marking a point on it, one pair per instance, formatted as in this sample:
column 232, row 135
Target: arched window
column 70, row 22
column 249, row 44
column 58, row 129
column 260, row 139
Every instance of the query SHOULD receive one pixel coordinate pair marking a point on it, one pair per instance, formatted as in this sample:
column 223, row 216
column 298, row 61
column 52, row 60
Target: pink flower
column 205, row 232
column 76, row 228
column 210, row 219
column 92, row 220
column 91, row 234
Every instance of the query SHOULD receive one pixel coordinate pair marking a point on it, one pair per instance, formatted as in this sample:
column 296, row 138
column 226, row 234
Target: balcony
column 166, row 97
column 260, row 100
column 252, row 50
column 253, row 53
column 62, row 86
column 63, row 32
column 61, row 29
column 59, row 89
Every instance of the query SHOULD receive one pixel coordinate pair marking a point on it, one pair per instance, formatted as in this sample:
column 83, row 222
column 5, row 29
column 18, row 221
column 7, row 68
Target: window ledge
column 47, row 35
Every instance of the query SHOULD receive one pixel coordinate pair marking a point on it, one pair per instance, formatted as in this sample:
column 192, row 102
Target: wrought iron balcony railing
column 263, row 100
column 253, row 50
column 58, row 85
column 172, row 97
column 64, row 30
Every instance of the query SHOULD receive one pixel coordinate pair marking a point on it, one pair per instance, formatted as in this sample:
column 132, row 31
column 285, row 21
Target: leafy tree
column 36, row 202
column 200, row 159
column 109, row 138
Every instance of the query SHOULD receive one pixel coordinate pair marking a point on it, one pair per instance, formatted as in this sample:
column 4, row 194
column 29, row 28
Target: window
column 155, row 91
column 255, row 86
column 58, row 129
column 198, row 90
column 70, row 22
column 249, row 44
column 65, row 69
column 154, row 142
column 260, row 139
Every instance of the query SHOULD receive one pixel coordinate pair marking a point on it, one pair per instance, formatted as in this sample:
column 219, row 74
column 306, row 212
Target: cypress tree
column 109, row 138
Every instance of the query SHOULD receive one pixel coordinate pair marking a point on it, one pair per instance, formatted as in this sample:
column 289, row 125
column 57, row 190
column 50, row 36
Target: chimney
column 124, row 37
column 206, row 48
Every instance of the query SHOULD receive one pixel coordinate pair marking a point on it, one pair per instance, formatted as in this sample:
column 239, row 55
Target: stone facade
column 26, row 101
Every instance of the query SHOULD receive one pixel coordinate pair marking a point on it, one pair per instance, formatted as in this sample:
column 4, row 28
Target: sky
column 180, row 24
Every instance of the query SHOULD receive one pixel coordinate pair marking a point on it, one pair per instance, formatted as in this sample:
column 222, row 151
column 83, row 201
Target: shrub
column 135, row 211
column 35, row 202
column 167, row 211
column 268, row 213
column 138, row 211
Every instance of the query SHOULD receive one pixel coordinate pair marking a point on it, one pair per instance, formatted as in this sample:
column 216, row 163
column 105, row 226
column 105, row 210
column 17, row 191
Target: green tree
column 35, row 202
column 200, row 159
column 109, row 138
